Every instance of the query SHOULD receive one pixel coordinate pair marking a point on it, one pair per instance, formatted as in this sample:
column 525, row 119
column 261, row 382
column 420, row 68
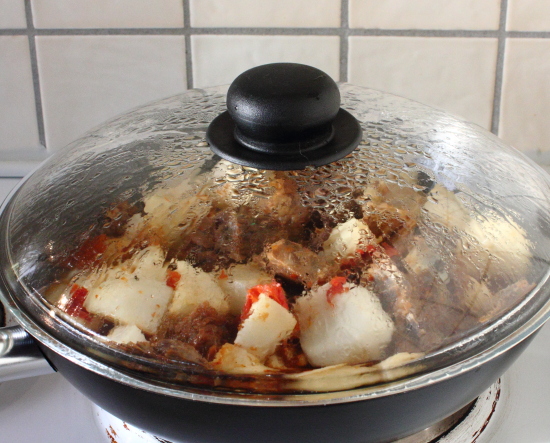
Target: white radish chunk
column 494, row 244
column 130, row 301
column 149, row 264
column 134, row 292
column 445, row 207
column 268, row 324
column 237, row 281
column 349, row 328
column 346, row 238
column 173, row 212
column 126, row 334
column 500, row 246
column 194, row 288
column 234, row 359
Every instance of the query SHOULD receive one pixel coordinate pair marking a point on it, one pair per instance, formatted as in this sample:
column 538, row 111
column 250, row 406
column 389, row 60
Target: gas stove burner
column 474, row 423
column 435, row 433
column 118, row 431
column 464, row 426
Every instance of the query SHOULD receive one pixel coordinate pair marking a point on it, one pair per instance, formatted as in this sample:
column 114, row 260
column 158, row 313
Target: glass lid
column 422, row 245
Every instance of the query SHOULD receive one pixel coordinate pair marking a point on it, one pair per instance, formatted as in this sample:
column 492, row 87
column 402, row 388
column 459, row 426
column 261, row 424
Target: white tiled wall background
column 68, row 65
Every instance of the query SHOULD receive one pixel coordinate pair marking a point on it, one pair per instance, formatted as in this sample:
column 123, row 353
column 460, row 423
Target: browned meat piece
column 285, row 204
column 199, row 245
column 243, row 233
column 350, row 209
column 202, row 235
column 206, row 259
column 220, row 239
column 409, row 197
column 317, row 230
column 391, row 211
column 387, row 281
column 204, row 329
column 235, row 235
column 116, row 218
column 389, row 284
column 442, row 323
column 290, row 354
column 507, row 298
column 295, row 262
column 427, row 314
column 388, row 222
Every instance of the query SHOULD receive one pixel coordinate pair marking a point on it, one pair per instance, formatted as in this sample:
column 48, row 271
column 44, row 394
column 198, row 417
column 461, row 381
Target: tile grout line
column 35, row 75
column 499, row 69
column 188, row 50
column 14, row 31
column 344, row 40
column 527, row 34
column 445, row 33
column 188, row 30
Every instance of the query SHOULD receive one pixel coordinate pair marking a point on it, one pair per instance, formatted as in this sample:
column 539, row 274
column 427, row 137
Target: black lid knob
column 283, row 108
column 283, row 116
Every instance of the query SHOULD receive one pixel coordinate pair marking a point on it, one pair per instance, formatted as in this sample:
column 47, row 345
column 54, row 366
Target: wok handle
column 20, row 356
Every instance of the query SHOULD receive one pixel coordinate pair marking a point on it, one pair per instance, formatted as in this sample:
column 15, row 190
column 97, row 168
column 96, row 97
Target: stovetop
column 48, row 409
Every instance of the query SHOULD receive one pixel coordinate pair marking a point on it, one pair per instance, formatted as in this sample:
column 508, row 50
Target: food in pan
column 257, row 278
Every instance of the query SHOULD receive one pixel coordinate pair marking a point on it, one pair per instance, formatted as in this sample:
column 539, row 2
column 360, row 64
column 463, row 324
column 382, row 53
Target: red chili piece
column 336, row 288
column 75, row 307
column 90, row 251
column 173, row 279
column 368, row 251
column 273, row 290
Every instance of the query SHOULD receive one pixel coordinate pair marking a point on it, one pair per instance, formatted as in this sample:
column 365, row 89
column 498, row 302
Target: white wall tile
column 424, row 14
column 18, row 128
column 219, row 59
column 528, row 15
column 265, row 13
column 525, row 105
column 107, row 13
column 12, row 14
column 456, row 74
column 88, row 79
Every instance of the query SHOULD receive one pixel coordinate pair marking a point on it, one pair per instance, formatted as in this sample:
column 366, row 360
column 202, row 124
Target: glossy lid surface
column 141, row 249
